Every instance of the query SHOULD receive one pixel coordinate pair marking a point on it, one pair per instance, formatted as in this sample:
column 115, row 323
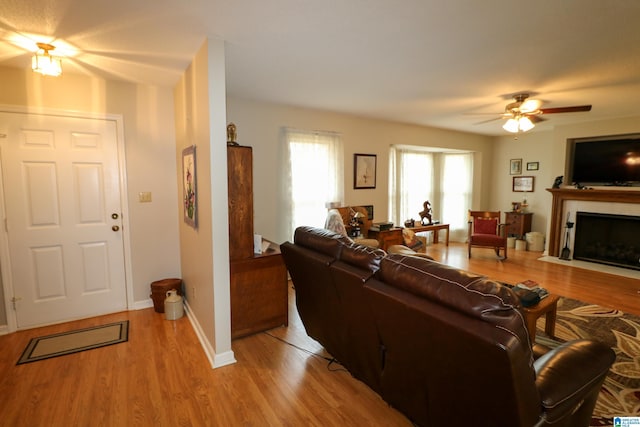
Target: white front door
column 63, row 217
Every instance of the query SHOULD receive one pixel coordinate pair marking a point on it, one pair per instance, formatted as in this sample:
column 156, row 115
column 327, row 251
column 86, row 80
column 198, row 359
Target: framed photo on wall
column 189, row 187
column 364, row 171
column 523, row 184
column 533, row 166
column 515, row 167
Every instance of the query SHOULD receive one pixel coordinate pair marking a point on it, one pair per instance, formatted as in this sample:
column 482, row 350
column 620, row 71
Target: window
column 455, row 192
column 412, row 171
column 418, row 174
column 313, row 173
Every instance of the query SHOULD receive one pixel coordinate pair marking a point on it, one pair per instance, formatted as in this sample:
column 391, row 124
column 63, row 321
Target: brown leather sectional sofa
column 439, row 344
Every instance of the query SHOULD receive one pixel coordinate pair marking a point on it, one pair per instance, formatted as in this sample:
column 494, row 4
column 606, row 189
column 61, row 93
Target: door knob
column 114, row 216
column 115, row 228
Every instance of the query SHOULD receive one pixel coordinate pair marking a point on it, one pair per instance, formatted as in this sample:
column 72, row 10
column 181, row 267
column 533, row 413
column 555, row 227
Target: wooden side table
column 435, row 228
column 387, row 238
column 548, row 306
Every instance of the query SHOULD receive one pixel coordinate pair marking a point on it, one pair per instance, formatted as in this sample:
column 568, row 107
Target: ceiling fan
column 523, row 113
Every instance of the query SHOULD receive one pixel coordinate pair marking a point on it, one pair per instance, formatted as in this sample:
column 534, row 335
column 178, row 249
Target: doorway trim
column 5, row 259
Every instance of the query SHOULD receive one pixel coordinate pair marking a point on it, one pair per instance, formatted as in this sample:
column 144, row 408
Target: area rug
column 620, row 394
column 75, row 341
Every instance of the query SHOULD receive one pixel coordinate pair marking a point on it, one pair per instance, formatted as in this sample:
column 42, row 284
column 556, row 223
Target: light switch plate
column 144, row 197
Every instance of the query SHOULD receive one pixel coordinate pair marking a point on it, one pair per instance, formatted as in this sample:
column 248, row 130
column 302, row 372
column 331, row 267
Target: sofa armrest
column 569, row 374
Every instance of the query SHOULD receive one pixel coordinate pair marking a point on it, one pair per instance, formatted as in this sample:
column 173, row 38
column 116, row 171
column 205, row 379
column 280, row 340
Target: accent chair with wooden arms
column 486, row 231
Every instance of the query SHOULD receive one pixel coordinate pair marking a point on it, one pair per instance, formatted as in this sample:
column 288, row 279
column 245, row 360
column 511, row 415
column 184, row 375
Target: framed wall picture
column 189, row 187
column 364, row 171
column 533, row 166
column 515, row 167
column 523, row 184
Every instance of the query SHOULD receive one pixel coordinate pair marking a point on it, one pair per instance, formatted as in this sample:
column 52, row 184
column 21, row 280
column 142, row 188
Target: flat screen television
column 613, row 160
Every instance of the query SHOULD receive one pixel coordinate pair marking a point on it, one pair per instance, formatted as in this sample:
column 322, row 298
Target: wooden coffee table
column 548, row 306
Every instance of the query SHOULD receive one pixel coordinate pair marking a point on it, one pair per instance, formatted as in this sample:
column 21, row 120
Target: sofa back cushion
column 438, row 362
column 465, row 292
column 320, row 240
column 362, row 257
column 355, row 267
column 317, row 299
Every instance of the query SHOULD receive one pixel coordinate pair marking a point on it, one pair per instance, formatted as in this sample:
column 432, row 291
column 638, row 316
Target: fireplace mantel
column 560, row 195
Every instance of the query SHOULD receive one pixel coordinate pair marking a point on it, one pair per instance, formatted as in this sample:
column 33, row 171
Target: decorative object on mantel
column 515, row 206
column 410, row 223
column 425, row 215
column 232, row 134
column 582, row 187
column 558, row 181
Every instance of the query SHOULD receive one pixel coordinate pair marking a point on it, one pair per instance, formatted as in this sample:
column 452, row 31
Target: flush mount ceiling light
column 45, row 64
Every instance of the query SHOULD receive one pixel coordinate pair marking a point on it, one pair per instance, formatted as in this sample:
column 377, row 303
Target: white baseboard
column 4, row 329
column 139, row 305
column 216, row 360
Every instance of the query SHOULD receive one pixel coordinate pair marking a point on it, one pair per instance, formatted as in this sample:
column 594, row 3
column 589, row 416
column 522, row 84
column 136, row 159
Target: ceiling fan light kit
column 518, row 124
column 524, row 113
column 42, row 62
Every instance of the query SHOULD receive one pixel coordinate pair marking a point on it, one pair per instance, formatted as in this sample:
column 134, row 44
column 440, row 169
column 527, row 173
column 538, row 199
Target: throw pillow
column 410, row 239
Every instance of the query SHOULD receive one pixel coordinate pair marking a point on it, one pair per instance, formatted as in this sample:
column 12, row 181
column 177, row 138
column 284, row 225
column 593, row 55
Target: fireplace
column 608, row 239
column 570, row 200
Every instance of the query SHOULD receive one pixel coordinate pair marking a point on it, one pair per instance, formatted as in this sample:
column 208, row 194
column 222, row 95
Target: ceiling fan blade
column 536, row 119
column 575, row 109
column 487, row 121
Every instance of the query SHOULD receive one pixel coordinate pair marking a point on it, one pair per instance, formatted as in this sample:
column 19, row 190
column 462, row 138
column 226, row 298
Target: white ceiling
column 430, row 62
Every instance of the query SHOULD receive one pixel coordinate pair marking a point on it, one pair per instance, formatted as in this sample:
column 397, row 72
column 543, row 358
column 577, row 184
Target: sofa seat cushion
column 487, row 240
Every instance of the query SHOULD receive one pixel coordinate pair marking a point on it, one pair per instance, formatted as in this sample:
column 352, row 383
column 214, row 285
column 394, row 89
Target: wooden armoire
column 259, row 298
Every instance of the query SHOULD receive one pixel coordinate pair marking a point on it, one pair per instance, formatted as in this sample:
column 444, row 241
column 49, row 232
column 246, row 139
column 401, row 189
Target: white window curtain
column 411, row 183
column 312, row 175
column 455, row 193
column 445, row 179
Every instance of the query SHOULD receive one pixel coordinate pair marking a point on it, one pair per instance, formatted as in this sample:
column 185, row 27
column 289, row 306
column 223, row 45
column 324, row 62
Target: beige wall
column 548, row 148
column 201, row 121
column 150, row 154
column 259, row 126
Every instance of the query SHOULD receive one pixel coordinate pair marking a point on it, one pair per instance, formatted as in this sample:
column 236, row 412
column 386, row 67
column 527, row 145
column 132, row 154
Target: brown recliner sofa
column 437, row 343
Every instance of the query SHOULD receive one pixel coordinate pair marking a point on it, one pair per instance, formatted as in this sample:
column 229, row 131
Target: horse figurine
column 426, row 214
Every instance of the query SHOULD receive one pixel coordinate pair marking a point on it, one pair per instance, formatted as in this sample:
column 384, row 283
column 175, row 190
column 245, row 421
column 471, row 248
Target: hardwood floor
column 161, row 377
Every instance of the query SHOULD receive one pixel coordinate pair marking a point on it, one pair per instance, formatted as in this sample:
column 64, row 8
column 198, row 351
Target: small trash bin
column 511, row 242
column 159, row 291
column 535, row 241
column 521, row 245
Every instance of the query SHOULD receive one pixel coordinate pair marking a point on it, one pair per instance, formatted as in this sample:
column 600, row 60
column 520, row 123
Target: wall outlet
column 193, row 292
column 144, row 197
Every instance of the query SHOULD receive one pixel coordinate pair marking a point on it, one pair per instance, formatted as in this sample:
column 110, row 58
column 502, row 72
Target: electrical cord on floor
column 331, row 360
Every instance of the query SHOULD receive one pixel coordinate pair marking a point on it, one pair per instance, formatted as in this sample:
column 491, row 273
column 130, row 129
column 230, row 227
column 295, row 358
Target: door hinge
column 14, row 300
